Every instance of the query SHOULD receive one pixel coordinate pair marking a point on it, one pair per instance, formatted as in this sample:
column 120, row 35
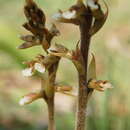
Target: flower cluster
column 90, row 18
column 36, row 25
column 42, row 36
column 76, row 13
column 34, row 65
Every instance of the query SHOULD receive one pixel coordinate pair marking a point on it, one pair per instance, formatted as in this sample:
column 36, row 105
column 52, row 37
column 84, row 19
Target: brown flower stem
column 51, row 120
column 50, row 96
column 83, row 92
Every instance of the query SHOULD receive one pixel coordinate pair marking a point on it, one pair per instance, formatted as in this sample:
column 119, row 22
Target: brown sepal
column 100, row 19
column 34, row 14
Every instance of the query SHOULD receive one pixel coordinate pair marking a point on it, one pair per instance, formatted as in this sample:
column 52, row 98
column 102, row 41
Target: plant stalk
column 83, row 92
column 51, row 120
column 50, row 98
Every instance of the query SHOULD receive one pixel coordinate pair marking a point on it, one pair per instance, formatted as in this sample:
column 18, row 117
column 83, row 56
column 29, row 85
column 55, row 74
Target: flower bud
column 27, row 38
column 60, row 50
column 26, row 45
column 30, row 98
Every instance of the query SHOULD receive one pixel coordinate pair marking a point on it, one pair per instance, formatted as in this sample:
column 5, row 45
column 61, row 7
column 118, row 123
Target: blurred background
column 107, row 111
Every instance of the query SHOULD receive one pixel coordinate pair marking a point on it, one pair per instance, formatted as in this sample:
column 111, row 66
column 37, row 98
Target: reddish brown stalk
column 84, row 91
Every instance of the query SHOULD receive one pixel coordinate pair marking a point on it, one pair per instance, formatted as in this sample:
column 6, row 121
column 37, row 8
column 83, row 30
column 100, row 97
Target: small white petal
column 57, row 16
column 39, row 67
column 69, row 14
column 27, row 72
column 92, row 5
column 24, row 101
column 106, row 86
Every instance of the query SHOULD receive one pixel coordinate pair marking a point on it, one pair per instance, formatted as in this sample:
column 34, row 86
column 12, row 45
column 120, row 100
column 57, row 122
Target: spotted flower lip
column 32, row 68
column 99, row 85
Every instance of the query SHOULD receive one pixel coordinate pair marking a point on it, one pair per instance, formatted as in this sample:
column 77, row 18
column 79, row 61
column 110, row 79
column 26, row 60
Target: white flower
column 39, row 67
column 35, row 67
column 25, row 100
column 69, row 14
column 27, row 72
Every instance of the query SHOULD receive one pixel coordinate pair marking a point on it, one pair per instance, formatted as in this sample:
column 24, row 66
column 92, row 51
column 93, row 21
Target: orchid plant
column 90, row 18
